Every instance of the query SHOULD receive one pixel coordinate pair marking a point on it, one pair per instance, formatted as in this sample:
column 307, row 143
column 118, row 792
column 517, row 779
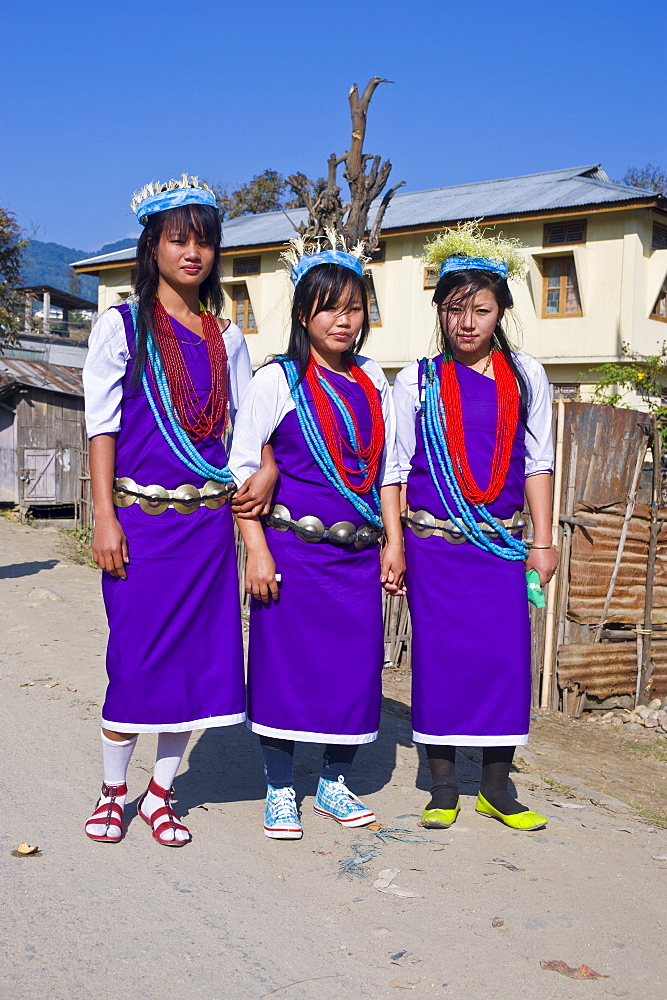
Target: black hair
column 461, row 286
column 204, row 221
column 326, row 286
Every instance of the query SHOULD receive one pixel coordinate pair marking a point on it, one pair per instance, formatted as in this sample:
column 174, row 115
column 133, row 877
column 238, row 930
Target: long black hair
column 204, row 222
column 326, row 286
column 459, row 287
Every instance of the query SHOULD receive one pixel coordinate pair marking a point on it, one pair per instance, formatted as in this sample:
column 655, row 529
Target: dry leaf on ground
column 25, row 848
column 583, row 972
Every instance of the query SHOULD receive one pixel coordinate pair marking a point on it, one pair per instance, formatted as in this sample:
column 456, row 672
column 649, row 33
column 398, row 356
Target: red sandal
column 109, row 814
column 170, row 821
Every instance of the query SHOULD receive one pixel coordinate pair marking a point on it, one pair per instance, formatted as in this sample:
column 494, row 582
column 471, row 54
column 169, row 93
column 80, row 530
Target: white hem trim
column 305, row 737
column 472, row 741
column 174, row 727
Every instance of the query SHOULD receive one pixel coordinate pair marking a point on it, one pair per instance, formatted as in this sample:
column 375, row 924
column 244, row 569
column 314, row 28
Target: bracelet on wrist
column 541, row 546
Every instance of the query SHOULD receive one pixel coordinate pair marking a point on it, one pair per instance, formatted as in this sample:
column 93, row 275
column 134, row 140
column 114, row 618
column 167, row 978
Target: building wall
column 619, row 277
column 8, row 475
column 114, row 287
column 48, row 447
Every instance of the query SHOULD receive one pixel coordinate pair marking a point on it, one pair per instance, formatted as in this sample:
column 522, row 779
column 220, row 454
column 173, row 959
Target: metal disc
column 155, row 500
column 186, row 499
column 453, row 536
column 120, row 497
column 282, row 514
column 341, row 530
column 422, row 523
column 214, row 503
column 313, row 528
column 365, row 537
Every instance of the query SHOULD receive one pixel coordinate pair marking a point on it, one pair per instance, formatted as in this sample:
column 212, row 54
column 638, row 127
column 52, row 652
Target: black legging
column 496, row 764
column 279, row 758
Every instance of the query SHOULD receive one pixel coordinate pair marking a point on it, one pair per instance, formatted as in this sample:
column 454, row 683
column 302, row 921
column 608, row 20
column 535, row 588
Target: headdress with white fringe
column 467, row 248
column 304, row 253
column 161, row 195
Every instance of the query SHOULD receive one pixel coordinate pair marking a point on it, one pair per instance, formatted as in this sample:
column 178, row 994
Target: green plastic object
column 535, row 592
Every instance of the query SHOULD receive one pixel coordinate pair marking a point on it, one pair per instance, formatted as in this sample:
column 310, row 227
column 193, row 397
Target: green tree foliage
column 12, row 257
column 649, row 177
column 266, row 192
column 643, row 375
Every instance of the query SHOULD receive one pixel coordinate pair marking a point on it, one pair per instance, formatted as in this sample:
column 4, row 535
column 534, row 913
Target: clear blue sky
column 99, row 97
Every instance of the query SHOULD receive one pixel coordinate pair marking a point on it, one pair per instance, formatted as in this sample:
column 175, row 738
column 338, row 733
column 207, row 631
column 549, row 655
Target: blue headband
column 311, row 260
column 173, row 199
column 474, row 264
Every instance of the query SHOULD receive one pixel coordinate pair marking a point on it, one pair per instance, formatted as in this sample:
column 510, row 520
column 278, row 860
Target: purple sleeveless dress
column 175, row 652
column 316, row 654
column 469, row 609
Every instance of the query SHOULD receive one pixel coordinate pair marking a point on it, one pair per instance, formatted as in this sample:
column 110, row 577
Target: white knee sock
column 170, row 750
column 115, row 760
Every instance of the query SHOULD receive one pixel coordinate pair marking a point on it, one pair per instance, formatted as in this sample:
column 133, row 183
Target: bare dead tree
column 366, row 176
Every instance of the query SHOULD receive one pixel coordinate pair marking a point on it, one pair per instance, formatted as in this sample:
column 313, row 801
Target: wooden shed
column 41, row 433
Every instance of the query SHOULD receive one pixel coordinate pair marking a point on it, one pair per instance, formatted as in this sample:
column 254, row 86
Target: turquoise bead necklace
column 437, row 454
column 186, row 453
column 316, row 445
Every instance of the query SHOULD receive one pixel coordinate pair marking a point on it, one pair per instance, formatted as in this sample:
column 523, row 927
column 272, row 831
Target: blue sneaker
column 281, row 820
column 336, row 801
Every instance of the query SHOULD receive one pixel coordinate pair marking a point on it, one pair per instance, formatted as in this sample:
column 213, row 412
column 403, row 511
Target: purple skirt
column 316, row 654
column 470, row 645
column 175, row 653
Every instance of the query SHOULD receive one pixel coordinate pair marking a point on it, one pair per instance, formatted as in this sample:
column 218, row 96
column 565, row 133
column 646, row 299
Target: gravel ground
column 236, row 915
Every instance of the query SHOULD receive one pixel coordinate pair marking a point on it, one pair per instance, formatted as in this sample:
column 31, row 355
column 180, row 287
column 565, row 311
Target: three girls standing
column 473, row 434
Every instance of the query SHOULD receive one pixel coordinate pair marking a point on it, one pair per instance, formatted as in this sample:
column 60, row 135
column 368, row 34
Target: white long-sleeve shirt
column 107, row 361
column 539, row 442
column 267, row 400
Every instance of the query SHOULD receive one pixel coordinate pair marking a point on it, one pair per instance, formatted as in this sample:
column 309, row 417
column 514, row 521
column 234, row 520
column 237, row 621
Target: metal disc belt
column 311, row 529
column 423, row 524
column 185, row 499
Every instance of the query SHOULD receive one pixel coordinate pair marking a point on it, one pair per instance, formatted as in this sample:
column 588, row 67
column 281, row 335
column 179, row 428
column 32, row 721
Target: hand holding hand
column 392, row 569
column 253, row 499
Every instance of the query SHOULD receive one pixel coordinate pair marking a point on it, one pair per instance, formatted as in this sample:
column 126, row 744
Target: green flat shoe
column 440, row 819
column 527, row 820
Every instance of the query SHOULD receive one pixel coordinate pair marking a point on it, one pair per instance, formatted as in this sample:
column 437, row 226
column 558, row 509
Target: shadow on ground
column 225, row 765
column 16, row 570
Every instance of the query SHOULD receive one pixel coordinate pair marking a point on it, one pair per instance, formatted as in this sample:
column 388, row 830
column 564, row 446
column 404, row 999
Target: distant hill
column 110, row 247
column 49, row 264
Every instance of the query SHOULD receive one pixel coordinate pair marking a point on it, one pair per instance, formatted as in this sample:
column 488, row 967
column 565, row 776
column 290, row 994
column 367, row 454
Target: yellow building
column 597, row 275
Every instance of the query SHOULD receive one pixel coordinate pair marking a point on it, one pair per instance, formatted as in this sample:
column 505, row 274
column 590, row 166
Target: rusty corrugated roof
column 39, row 375
column 593, row 555
column 609, row 668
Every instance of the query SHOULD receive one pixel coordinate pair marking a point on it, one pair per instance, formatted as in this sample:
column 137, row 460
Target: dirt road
column 234, row 915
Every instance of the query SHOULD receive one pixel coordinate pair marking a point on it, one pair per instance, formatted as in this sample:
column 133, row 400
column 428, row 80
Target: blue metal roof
column 551, row 190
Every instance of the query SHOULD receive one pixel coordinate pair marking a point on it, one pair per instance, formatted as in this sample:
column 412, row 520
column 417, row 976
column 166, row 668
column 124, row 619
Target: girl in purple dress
column 474, row 435
column 315, row 566
column 161, row 376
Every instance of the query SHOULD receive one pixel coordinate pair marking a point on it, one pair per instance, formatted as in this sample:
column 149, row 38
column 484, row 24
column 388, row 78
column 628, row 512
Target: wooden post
column 640, row 660
column 564, row 565
column 46, row 313
column 550, row 622
column 656, row 495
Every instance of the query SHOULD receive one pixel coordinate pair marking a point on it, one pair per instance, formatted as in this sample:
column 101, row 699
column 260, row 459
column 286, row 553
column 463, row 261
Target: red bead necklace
column 368, row 457
column 508, row 399
column 199, row 420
